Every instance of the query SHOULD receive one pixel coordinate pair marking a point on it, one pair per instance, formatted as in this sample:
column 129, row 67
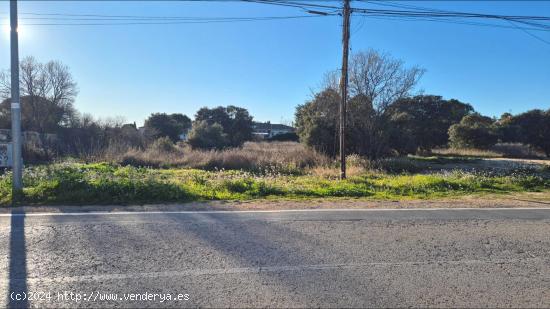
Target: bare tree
column 376, row 80
column 377, row 77
column 381, row 78
column 5, row 84
column 52, row 81
column 62, row 87
column 44, row 88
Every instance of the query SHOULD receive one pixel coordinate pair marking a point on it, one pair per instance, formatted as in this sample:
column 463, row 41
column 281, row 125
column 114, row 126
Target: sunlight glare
column 22, row 31
column 6, row 31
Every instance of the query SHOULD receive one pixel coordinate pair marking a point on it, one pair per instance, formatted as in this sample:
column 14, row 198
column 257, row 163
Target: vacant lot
column 275, row 176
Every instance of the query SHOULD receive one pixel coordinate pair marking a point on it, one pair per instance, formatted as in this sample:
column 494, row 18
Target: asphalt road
column 353, row 258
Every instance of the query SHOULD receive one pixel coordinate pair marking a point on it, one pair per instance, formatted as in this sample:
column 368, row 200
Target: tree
column 317, row 120
column 207, row 136
column 473, row 131
column 533, row 128
column 47, row 95
column 163, row 125
column 378, row 77
column 422, row 122
column 235, row 121
column 240, row 129
column 507, row 130
column 376, row 81
column 217, row 115
column 182, row 120
column 37, row 114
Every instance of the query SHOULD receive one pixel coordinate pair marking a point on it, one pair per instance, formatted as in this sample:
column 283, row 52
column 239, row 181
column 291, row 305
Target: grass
column 257, row 157
column 475, row 153
column 102, row 183
column 500, row 150
column 444, row 159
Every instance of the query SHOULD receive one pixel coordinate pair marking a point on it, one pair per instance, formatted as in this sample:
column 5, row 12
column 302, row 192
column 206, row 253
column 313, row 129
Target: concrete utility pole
column 344, row 86
column 15, row 103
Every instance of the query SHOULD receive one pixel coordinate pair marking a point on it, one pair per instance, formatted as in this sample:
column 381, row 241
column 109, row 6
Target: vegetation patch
column 102, row 183
column 445, row 159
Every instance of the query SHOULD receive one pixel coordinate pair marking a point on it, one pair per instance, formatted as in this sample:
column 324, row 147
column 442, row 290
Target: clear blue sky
column 270, row 67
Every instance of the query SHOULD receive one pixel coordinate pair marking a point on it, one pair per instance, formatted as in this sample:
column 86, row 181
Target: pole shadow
column 17, row 291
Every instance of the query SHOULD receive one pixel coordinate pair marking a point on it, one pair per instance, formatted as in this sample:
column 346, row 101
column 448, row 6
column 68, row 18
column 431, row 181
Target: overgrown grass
column 444, row 160
column 257, row 157
column 102, row 183
column 500, row 150
column 475, row 153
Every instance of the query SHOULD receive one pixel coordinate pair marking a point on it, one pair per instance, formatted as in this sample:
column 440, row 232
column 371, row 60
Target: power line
column 114, row 22
column 405, row 12
column 531, row 34
column 448, row 21
column 532, row 21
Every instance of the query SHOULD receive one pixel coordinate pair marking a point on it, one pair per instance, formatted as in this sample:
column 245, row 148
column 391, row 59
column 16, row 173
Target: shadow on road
column 18, row 264
column 264, row 243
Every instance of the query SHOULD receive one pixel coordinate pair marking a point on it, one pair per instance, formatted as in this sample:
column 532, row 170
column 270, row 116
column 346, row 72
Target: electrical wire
column 397, row 11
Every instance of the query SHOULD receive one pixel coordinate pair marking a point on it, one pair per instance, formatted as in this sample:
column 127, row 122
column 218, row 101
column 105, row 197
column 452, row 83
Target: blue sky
column 270, row 67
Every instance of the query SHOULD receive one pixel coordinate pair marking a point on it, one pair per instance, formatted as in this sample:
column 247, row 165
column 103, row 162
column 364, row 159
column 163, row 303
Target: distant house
column 267, row 130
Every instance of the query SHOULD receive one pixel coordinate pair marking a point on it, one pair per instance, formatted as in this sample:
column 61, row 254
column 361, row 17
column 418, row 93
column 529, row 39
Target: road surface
column 330, row 258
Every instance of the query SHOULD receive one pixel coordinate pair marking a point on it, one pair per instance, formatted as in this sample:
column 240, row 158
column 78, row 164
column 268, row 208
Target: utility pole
column 17, row 182
column 344, row 85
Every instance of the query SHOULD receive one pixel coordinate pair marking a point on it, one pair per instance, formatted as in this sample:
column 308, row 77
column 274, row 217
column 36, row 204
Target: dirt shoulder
column 521, row 200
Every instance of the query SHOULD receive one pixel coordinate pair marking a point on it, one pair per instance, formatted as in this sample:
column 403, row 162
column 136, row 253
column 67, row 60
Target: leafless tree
column 52, row 81
column 381, row 78
column 377, row 77
column 376, row 80
column 44, row 88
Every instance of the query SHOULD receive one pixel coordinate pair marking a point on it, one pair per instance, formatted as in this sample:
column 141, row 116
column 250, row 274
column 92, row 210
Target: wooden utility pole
column 344, row 85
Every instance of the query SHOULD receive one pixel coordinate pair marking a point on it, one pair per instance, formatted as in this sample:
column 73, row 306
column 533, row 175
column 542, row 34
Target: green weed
column 103, row 183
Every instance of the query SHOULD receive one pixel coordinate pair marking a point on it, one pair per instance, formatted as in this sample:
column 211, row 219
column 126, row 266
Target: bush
column 285, row 137
column 164, row 125
column 163, row 144
column 473, row 131
column 517, row 150
column 421, row 123
column 35, row 153
column 235, row 121
column 206, row 136
column 533, row 128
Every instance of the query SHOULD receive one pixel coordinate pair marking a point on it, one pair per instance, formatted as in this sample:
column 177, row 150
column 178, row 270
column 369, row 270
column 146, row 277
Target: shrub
column 285, row 137
column 517, row 150
column 533, row 128
column 164, row 125
column 163, row 144
column 473, row 131
column 206, row 136
column 36, row 153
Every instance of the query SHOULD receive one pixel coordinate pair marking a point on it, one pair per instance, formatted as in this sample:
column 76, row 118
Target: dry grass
column 500, row 150
column 517, row 151
column 263, row 157
column 478, row 153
